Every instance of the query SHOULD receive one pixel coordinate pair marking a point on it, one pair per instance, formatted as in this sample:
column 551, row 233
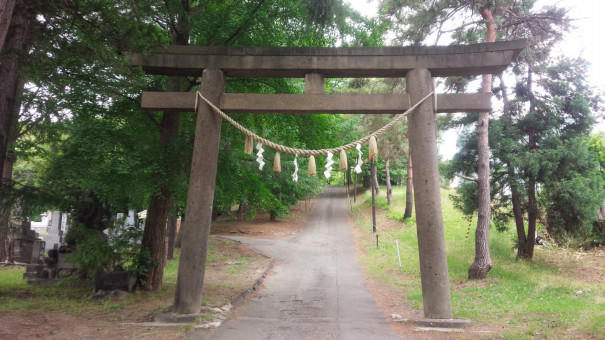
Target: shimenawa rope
column 304, row 152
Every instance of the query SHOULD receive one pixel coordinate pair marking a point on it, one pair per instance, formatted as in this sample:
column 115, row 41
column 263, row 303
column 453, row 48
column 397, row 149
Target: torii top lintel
column 293, row 62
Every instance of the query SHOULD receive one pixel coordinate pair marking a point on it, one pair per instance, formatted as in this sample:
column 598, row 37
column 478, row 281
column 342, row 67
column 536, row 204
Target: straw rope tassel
column 276, row 162
column 249, row 145
column 312, row 171
column 343, row 160
column 373, row 152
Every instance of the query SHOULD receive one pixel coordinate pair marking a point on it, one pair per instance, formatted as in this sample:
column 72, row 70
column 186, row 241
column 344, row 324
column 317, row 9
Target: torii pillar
column 202, row 180
column 422, row 127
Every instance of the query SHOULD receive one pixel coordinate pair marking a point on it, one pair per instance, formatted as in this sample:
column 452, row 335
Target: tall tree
column 11, row 81
column 515, row 19
column 179, row 24
column 6, row 12
column 483, row 262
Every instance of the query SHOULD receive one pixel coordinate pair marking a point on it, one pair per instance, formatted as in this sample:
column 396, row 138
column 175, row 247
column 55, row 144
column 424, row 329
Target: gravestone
column 20, row 238
column 57, row 228
column 42, row 226
column 37, row 252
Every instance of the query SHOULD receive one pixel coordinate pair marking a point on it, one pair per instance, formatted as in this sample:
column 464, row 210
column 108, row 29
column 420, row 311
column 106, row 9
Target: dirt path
column 317, row 290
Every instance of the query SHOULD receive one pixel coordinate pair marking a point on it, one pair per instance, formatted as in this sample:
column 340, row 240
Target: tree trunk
column 5, row 211
column 375, row 179
column 171, row 231
column 515, row 200
column 366, row 181
column 159, row 204
column 532, row 203
column 153, row 237
column 14, row 48
column 409, row 190
column 4, row 217
column 518, row 214
column 242, row 212
column 6, row 12
column 532, row 216
column 389, row 188
column 483, row 263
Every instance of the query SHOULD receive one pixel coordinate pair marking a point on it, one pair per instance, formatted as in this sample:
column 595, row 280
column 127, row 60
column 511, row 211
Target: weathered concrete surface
column 315, row 83
column 442, row 61
column 422, row 127
column 196, row 228
column 317, row 290
column 315, row 103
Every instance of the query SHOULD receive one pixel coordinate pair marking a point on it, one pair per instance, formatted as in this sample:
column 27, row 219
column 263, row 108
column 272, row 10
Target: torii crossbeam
column 417, row 64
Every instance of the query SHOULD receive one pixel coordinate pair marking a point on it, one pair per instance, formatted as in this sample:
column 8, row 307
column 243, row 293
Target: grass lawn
column 519, row 299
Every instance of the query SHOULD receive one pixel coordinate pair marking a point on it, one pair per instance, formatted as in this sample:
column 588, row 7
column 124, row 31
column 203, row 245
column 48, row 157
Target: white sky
column 585, row 41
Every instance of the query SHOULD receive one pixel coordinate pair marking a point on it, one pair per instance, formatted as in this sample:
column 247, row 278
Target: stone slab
column 314, row 103
column 171, row 318
column 343, row 62
column 443, row 323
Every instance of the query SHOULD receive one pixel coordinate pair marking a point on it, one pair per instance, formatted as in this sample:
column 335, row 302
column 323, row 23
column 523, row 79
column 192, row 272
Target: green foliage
column 93, row 253
column 596, row 236
column 571, row 200
column 125, row 242
column 545, row 146
column 596, row 144
column 465, row 199
column 30, row 200
column 120, row 250
column 108, row 146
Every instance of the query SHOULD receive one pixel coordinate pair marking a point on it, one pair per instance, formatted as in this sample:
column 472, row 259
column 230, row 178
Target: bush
column 121, row 250
column 93, row 252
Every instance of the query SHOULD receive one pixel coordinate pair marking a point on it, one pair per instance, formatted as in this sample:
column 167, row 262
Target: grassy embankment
column 519, row 299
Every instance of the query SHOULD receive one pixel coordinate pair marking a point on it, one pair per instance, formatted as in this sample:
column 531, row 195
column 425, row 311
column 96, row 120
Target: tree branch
column 466, row 177
column 461, row 26
column 152, row 118
column 245, row 23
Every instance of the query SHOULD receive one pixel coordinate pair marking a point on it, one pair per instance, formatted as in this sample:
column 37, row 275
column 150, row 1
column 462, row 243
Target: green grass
column 71, row 296
column 525, row 299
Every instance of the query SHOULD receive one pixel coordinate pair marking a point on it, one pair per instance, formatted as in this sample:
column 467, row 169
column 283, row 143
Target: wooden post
column 196, row 229
column 355, row 188
column 372, row 186
column 436, row 296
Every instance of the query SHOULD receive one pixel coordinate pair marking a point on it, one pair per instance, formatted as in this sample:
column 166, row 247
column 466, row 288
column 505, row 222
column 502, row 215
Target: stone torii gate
column 417, row 64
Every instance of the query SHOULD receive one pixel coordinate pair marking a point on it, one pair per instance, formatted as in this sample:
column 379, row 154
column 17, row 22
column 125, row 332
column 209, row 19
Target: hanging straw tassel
column 249, row 145
column 373, row 148
column 276, row 162
column 343, row 160
column 312, row 171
